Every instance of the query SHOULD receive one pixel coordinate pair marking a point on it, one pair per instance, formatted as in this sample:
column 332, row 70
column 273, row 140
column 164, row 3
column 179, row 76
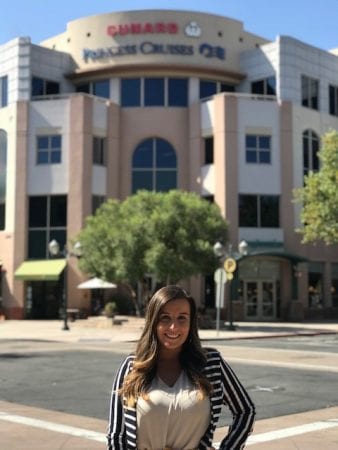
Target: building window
column 208, row 150
column 99, row 88
column 266, row 86
column 3, row 91
column 99, row 150
column 3, row 177
column 257, row 149
column 310, row 152
column 333, row 100
column 154, row 166
column 178, row 92
column 41, row 87
column 97, row 201
column 315, row 286
column 154, row 92
column 334, row 286
column 259, row 211
column 310, row 92
column 47, row 220
column 131, row 92
column 208, row 88
column 48, row 149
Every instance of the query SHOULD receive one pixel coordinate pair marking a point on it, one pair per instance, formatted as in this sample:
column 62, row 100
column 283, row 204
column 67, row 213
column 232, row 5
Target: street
column 76, row 378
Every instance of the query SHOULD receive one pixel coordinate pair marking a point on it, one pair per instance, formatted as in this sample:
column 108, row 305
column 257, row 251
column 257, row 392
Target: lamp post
column 228, row 259
column 54, row 250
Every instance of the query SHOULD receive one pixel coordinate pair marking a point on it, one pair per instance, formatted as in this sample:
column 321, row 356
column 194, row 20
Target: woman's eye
column 165, row 319
column 182, row 319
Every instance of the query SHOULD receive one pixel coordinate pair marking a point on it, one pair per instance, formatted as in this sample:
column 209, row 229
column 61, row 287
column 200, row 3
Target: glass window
column 143, row 155
column 3, row 91
column 154, row 92
column 259, row 211
column 131, row 92
column 85, row 87
column 41, row 87
column 227, row 87
column 269, row 211
column 209, row 150
column 142, row 179
column 177, row 92
column 258, row 149
column 207, row 88
column 37, row 86
column 37, row 216
column 266, row 86
column 165, row 156
column 248, row 211
column 3, row 177
column 52, row 87
column 97, row 201
column 99, row 150
column 310, row 152
column 333, row 100
column 165, row 180
column 47, row 220
column 154, row 166
column 48, row 149
column 58, row 211
column 101, row 88
column 310, row 92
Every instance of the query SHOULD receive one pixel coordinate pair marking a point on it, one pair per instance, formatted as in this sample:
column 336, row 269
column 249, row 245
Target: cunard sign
column 123, row 29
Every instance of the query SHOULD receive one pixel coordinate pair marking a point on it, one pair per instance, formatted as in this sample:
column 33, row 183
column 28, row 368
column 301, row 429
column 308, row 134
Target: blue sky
column 315, row 23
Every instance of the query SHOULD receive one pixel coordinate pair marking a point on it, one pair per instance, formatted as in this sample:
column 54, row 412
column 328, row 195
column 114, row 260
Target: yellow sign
column 230, row 276
column 230, row 265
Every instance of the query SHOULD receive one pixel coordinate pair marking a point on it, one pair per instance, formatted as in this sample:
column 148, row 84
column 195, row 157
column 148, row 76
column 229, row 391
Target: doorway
column 260, row 297
column 43, row 300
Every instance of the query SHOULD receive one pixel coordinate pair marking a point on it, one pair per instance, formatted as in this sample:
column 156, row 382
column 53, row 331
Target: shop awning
column 45, row 269
column 275, row 250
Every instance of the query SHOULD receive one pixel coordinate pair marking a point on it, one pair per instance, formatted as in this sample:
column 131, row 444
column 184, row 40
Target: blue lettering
column 209, row 51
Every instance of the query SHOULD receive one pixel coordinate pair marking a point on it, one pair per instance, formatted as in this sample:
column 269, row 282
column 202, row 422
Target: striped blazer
column 226, row 389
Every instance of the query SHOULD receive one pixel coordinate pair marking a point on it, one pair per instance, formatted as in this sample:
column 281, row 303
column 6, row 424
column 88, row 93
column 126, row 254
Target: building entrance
column 43, row 300
column 260, row 299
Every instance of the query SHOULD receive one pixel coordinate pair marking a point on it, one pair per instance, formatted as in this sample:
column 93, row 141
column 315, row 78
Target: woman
column 169, row 394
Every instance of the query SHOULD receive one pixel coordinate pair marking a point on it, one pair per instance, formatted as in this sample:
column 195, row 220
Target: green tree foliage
column 319, row 196
column 170, row 235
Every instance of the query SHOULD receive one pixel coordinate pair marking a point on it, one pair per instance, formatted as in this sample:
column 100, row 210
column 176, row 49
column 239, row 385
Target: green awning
column 45, row 269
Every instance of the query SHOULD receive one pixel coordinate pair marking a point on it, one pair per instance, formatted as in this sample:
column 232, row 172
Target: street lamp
column 54, row 250
column 228, row 259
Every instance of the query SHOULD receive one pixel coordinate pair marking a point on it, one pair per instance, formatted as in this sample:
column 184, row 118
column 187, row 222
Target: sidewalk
column 130, row 328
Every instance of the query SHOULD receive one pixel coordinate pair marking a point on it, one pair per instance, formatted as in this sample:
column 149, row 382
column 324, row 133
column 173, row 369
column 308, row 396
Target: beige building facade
column 159, row 100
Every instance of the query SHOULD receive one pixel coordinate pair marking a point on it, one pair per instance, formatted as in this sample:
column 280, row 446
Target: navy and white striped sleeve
column 241, row 406
column 116, row 433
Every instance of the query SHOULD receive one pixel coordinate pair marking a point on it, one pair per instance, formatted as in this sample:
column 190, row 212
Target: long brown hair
column 192, row 356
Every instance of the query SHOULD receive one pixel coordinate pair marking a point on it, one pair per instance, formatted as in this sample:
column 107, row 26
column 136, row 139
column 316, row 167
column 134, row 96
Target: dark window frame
column 255, row 212
column 155, row 171
column 47, row 220
column 310, row 92
column 51, row 154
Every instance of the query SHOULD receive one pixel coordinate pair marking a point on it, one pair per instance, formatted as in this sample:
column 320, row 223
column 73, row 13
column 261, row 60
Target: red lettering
column 148, row 28
column 172, row 28
column 160, row 27
column 142, row 28
column 136, row 28
column 124, row 29
column 111, row 30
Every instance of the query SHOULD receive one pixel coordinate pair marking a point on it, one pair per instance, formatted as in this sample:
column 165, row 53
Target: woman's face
column 173, row 324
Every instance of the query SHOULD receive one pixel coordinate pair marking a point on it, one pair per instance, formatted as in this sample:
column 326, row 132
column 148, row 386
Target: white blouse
column 172, row 416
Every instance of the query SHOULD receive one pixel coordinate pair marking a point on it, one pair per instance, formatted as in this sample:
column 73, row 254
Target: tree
column 169, row 235
column 319, row 196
